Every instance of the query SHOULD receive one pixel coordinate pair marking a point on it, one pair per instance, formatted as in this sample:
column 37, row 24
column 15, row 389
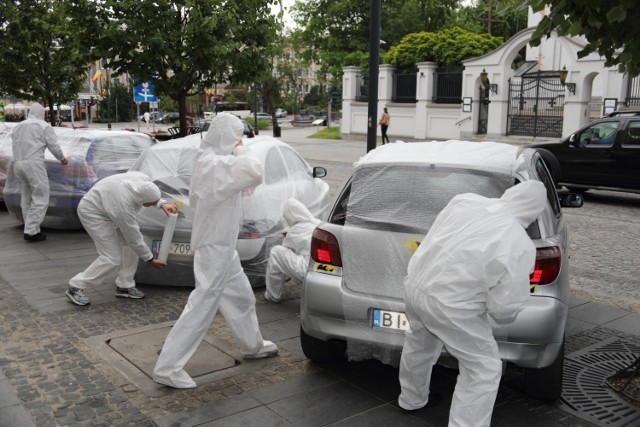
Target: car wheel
column 257, row 281
column 545, row 383
column 321, row 351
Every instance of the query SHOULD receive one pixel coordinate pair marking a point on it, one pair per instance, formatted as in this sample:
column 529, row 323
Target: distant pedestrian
column 30, row 139
column 384, row 125
column 108, row 214
column 147, row 118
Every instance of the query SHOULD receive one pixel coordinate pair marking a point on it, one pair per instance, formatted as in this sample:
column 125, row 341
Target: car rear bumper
column 533, row 340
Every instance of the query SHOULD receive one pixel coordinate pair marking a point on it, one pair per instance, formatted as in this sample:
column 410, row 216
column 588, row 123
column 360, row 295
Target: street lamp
column 571, row 87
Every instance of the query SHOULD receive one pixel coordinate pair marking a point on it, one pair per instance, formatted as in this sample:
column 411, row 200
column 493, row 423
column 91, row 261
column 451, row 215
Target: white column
column 349, row 93
column 424, row 94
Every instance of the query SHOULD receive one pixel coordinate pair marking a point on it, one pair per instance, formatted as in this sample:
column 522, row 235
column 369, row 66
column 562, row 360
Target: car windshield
column 170, row 169
column 407, row 198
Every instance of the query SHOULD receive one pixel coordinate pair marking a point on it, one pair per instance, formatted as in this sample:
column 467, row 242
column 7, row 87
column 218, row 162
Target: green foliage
column 327, row 133
column 450, row 46
column 46, row 46
column 119, row 101
column 610, row 26
column 336, row 32
column 186, row 46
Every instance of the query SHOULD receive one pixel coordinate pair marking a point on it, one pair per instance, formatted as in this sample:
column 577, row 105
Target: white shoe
column 270, row 298
column 178, row 379
column 268, row 349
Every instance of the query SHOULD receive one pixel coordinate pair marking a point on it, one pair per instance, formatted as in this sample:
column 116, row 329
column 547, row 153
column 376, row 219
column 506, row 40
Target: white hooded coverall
column 291, row 259
column 30, row 138
column 221, row 171
column 108, row 214
column 475, row 260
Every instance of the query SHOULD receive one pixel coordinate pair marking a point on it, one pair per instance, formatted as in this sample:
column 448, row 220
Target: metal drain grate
column 584, row 392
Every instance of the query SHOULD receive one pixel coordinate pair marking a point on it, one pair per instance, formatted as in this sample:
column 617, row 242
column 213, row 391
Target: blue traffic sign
column 144, row 93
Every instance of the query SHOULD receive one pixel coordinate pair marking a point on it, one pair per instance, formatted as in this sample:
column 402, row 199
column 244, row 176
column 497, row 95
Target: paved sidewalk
column 60, row 365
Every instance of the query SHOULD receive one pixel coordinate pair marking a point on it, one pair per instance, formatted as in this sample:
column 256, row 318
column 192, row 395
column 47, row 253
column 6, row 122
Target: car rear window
column 406, row 198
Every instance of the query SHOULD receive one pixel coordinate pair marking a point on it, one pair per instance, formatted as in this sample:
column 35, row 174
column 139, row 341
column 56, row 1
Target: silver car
column 352, row 298
column 286, row 175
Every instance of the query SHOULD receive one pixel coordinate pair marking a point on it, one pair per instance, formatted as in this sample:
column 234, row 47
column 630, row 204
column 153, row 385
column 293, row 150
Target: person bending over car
column 108, row 214
column 475, row 261
column 222, row 169
column 30, row 138
column 290, row 260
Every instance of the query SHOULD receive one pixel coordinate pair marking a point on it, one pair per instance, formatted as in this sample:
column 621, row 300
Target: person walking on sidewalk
column 290, row 259
column 108, row 214
column 384, row 125
column 30, row 138
column 475, row 261
column 223, row 168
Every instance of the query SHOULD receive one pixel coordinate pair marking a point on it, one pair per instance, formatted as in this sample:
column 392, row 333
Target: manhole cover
column 584, row 392
column 134, row 353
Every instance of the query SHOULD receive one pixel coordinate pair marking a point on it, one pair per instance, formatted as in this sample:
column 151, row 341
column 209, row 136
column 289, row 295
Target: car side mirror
column 319, row 172
column 571, row 200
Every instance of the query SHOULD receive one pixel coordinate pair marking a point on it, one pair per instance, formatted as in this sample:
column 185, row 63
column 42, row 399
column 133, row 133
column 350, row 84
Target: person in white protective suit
column 108, row 214
column 223, row 168
column 290, row 260
column 30, row 138
column 475, row 261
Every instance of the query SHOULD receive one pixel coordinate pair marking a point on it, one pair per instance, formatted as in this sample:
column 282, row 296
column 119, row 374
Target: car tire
column 552, row 164
column 257, row 281
column 322, row 351
column 546, row 383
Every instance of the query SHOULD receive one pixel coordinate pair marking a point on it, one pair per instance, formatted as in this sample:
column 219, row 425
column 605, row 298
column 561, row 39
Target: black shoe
column 35, row 238
column 434, row 400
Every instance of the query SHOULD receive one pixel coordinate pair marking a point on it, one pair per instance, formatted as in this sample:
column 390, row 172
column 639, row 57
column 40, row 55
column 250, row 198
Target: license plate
column 383, row 319
column 177, row 248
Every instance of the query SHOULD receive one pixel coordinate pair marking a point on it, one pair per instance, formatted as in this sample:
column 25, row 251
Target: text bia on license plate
column 390, row 320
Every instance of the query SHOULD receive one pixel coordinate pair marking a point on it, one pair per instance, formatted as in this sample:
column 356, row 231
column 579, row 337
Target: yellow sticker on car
column 411, row 245
column 323, row 268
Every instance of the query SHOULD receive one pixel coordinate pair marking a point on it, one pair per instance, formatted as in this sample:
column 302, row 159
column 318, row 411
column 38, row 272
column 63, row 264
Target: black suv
column 603, row 155
column 169, row 118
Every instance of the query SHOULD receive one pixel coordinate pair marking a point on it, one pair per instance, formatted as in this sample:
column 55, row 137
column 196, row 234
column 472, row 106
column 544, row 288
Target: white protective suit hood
column 224, row 133
column 143, row 191
column 523, row 201
column 294, row 212
column 36, row 111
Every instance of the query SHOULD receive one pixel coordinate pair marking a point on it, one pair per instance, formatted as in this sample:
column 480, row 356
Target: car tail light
column 248, row 235
column 325, row 248
column 547, row 268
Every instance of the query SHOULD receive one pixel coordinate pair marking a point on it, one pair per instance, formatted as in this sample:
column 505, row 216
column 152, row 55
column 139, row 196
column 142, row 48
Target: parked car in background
column 202, row 125
column 352, row 298
column 169, row 118
column 286, row 175
column 280, row 113
column 153, row 116
column 92, row 155
column 604, row 155
column 261, row 116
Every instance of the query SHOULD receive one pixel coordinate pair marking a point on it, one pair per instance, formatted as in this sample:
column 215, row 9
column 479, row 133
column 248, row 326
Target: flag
column 97, row 76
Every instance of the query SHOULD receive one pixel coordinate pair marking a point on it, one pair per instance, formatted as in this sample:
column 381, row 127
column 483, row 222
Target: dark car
column 92, row 155
column 202, row 125
column 169, row 118
column 603, row 155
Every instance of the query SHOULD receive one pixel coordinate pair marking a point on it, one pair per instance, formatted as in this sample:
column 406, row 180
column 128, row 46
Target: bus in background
column 240, row 109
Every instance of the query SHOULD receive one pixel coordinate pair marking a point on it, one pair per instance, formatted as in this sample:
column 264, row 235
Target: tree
column 185, row 46
column 119, row 102
column 46, row 47
column 336, row 32
column 449, row 47
column 501, row 18
column 610, row 27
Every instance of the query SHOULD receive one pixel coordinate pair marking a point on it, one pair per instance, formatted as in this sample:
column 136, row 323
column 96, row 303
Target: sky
column 286, row 4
